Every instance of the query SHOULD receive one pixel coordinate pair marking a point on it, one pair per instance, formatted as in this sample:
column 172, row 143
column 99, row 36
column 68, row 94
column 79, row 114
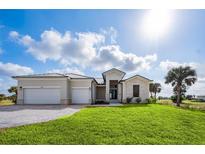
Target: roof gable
column 113, row 70
column 132, row 77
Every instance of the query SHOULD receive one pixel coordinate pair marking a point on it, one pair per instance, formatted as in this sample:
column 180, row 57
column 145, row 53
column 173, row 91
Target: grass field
column 188, row 104
column 130, row 124
column 6, row 102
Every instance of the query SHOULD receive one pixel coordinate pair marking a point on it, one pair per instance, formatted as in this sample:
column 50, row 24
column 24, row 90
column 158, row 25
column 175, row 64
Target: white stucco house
column 54, row 88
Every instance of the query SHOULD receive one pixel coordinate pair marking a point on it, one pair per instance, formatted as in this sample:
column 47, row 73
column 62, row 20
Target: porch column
column 107, row 90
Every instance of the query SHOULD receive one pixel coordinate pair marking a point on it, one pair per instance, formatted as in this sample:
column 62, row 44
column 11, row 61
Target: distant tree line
column 13, row 97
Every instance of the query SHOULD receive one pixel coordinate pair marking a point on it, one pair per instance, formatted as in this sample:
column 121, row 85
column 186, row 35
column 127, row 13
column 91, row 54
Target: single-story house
column 55, row 88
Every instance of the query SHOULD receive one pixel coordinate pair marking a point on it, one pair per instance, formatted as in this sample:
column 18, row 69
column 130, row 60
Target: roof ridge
column 41, row 75
column 80, row 75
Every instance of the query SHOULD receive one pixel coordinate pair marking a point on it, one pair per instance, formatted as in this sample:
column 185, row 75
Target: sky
column 144, row 42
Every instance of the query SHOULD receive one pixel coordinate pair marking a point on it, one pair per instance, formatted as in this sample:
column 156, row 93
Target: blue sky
column 91, row 41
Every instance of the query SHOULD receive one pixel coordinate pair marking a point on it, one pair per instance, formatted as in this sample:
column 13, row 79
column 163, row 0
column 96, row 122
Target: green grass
column 192, row 104
column 188, row 104
column 130, row 124
column 6, row 102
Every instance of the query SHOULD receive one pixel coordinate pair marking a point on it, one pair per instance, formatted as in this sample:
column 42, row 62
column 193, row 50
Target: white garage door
column 80, row 95
column 41, row 96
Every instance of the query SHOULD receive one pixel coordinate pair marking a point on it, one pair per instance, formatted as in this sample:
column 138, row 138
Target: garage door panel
column 41, row 96
column 80, row 95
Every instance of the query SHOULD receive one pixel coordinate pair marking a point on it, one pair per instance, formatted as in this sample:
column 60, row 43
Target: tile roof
column 100, row 80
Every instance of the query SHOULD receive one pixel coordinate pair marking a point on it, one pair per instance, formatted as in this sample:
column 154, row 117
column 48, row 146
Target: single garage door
column 41, row 96
column 80, row 95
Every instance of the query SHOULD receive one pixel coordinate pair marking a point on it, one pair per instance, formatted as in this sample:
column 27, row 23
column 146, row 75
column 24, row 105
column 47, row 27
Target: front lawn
column 130, row 124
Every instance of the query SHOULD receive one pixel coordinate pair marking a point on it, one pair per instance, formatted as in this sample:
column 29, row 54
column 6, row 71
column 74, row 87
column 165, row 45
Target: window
column 136, row 90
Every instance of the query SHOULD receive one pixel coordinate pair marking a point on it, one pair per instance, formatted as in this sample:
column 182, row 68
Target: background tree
column 2, row 97
column 13, row 90
column 154, row 88
column 180, row 78
column 157, row 89
column 151, row 88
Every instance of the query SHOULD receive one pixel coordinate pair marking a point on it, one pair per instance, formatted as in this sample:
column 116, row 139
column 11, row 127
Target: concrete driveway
column 16, row 115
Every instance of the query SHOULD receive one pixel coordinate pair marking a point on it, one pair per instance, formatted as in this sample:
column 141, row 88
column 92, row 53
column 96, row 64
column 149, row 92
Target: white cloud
column 166, row 90
column 112, row 56
column 64, row 48
column 84, row 49
column 167, row 65
column 14, row 34
column 111, row 33
column 9, row 69
column 5, row 84
column 197, row 89
column 66, row 70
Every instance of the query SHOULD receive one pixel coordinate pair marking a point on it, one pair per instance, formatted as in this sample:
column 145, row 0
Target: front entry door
column 113, row 94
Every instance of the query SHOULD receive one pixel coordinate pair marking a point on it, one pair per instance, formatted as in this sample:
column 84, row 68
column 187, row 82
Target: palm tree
column 154, row 88
column 151, row 88
column 180, row 77
column 157, row 89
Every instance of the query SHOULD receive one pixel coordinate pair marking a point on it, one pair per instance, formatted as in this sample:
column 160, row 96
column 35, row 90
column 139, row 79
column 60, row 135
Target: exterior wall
column 82, row 83
column 62, row 83
column 93, row 91
column 69, row 92
column 119, row 92
column 112, row 75
column 128, row 88
column 100, row 93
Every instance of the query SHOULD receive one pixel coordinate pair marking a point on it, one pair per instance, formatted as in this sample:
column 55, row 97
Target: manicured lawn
column 6, row 102
column 130, row 124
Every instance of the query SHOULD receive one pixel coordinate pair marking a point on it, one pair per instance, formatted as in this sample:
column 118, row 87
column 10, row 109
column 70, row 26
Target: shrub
column 134, row 100
column 129, row 99
column 12, row 98
column 138, row 99
column 151, row 100
column 101, row 102
column 2, row 97
column 174, row 98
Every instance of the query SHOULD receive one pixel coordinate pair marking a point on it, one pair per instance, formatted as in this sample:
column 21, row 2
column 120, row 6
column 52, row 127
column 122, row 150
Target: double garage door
column 52, row 95
column 41, row 96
